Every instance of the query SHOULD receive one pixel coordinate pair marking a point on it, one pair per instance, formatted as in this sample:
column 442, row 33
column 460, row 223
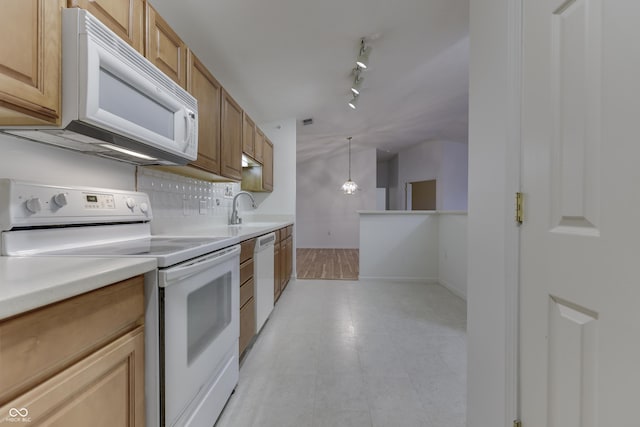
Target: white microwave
column 115, row 103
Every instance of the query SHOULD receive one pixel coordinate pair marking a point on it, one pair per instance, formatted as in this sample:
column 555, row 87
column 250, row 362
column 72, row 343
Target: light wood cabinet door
column 123, row 17
column 60, row 334
column 247, row 324
column 259, row 146
column 30, row 53
column 276, row 270
column 103, row 390
column 288, row 260
column 165, row 49
column 206, row 89
column 231, row 138
column 267, row 166
column 248, row 136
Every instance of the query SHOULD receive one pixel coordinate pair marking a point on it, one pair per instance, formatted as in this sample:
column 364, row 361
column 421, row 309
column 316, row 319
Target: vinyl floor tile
column 355, row 354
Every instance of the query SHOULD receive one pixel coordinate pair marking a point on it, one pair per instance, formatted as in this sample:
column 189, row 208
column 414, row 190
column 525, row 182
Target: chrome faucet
column 234, row 214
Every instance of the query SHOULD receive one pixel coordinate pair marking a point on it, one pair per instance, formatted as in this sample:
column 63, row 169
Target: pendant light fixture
column 349, row 187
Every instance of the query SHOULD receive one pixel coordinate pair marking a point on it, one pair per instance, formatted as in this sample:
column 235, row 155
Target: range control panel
column 32, row 204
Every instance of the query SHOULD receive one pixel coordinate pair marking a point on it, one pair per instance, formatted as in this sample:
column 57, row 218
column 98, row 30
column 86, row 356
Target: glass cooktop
column 160, row 247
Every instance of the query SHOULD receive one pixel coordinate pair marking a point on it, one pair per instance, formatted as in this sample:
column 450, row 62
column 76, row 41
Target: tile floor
column 340, row 353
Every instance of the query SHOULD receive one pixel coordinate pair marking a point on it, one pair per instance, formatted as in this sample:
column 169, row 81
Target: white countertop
column 391, row 212
column 31, row 282
column 235, row 233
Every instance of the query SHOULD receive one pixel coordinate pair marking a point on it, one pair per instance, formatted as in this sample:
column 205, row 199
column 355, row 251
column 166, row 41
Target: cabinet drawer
column 247, row 324
column 40, row 343
column 246, row 292
column 246, row 249
column 246, row 271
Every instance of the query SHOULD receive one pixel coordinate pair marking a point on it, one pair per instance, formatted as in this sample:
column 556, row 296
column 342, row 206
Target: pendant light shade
column 349, row 187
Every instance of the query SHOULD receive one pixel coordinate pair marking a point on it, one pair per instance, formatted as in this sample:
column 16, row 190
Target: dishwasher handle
column 265, row 241
column 172, row 275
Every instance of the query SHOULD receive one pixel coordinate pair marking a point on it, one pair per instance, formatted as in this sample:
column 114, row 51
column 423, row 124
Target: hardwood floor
column 339, row 264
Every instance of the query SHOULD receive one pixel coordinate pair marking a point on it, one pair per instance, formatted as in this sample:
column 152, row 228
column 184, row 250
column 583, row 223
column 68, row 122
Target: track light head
column 362, row 60
column 354, row 102
column 357, row 81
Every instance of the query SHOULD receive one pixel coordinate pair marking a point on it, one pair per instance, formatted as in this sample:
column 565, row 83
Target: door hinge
column 519, row 208
column 517, row 423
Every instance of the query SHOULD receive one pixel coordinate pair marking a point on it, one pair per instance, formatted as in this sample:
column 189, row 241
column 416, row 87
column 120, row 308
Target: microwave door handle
column 188, row 126
column 172, row 275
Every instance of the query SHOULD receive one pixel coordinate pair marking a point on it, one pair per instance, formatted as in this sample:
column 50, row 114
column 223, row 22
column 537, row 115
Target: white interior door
column 580, row 242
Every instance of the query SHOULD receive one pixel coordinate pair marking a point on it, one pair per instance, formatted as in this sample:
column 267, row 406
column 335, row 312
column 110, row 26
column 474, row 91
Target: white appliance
column 263, row 277
column 192, row 303
column 115, row 103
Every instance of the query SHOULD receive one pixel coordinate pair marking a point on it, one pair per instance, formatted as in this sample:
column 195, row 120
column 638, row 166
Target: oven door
column 201, row 326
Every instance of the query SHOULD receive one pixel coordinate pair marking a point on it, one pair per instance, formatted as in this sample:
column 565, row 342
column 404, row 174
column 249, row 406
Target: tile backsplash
column 175, row 196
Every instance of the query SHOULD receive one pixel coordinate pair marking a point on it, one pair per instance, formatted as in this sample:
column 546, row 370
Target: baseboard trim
column 453, row 289
column 425, row 280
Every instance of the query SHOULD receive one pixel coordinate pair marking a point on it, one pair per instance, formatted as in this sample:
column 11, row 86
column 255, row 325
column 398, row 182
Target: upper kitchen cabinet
column 259, row 177
column 231, row 138
column 123, row 17
column 30, row 31
column 248, row 136
column 267, row 166
column 165, row 49
column 206, row 89
column 259, row 146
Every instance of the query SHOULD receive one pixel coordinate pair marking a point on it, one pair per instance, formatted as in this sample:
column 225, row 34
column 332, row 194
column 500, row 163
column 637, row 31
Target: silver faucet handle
column 239, row 220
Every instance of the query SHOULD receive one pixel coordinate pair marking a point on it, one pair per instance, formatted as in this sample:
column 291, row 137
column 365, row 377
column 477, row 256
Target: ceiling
column 293, row 58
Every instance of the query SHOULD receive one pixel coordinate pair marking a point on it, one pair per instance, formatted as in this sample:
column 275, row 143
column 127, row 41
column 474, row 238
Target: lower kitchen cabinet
column 247, row 303
column 77, row 362
column 247, row 324
column 283, row 259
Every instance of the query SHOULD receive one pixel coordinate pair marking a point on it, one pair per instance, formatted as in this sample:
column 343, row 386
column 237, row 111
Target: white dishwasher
column 263, row 278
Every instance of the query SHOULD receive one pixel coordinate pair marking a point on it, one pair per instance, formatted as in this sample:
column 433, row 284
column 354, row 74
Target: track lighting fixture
column 361, row 64
column 362, row 60
column 354, row 102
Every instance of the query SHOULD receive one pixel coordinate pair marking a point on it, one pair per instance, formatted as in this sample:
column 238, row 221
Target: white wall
column 452, row 252
column 326, row 217
column 33, row 161
column 283, row 198
column 399, row 246
column 445, row 161
column 454, row 176
column 415, row 246
column 490, row 208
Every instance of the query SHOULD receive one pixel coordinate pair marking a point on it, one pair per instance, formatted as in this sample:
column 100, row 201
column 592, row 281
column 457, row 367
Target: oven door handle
column 172, row 275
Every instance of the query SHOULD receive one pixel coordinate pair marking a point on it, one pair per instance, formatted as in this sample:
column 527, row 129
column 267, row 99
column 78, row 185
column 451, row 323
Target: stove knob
column 33, row 205
column 144, row 208
column 60, row 199
column 130, row 203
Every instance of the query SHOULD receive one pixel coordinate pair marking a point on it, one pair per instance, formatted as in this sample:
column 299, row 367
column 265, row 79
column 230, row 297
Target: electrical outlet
column 203, row 207
column 228, row 192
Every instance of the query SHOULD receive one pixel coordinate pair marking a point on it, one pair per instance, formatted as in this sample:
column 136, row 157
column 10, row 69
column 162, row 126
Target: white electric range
column 192, row 316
